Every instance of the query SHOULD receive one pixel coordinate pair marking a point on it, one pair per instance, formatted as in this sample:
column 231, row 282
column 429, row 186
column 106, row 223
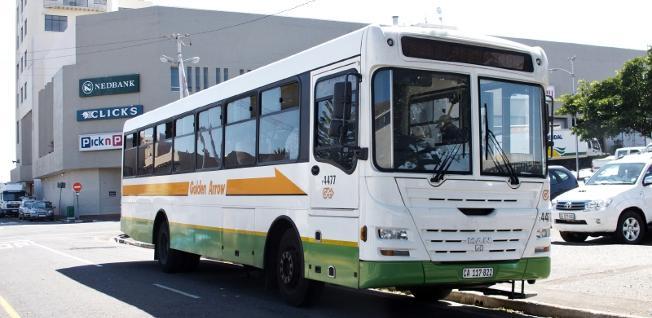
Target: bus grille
column 475, row 244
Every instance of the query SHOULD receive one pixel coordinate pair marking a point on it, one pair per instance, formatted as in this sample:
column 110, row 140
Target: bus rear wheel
column 290, row 277
column 171, row 260
column 429, row 293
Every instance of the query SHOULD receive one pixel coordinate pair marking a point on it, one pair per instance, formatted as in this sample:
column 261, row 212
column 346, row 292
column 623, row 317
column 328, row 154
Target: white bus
column 390, row 156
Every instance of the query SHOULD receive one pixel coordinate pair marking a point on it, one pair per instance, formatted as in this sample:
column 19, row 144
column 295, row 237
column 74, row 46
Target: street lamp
column 571, row 73
column 179, row 62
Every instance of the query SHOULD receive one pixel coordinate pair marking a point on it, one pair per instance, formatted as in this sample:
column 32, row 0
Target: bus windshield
column 421, row 120
column 512, row 128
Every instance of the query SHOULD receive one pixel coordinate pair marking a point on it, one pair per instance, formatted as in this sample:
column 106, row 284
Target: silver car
column 37, row 210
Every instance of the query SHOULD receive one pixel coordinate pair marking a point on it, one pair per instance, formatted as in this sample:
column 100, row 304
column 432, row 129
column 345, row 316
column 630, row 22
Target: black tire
column 171, row 260
column 573, row 237
column 631, row 228
column 430, row 293
column 290, row 277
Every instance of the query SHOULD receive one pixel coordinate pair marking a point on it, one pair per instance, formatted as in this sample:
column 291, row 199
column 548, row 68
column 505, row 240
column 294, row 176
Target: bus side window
column 279, row 124
column 184, row 144
column 163, row 148
column 335, row 144
column 209, row 138
column 130, row 151
column 240, row 138
column 145, row 151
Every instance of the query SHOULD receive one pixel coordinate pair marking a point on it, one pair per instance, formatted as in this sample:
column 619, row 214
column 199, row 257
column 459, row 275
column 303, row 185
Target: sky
column 624, row 23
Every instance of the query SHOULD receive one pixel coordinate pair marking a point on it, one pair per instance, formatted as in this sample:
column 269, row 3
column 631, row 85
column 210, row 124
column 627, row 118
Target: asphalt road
column 77, row 270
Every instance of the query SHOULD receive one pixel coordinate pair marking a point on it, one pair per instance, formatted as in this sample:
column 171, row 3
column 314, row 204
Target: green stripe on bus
column 386, row 274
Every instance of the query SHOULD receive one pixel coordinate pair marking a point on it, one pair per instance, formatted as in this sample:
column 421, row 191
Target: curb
column 528, row 307
column 125, row 239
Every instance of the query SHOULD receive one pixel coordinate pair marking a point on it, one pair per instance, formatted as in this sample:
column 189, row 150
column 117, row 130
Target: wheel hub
column 631, row 229
column 286, row 267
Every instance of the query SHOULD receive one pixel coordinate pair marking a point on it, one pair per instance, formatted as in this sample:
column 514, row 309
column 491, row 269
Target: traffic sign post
column 77, row 187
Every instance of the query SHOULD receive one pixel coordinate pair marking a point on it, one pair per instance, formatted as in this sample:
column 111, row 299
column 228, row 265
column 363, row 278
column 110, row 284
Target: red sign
column 77, row 187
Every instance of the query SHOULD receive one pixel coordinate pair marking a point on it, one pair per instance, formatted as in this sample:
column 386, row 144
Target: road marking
column 7, row 307
column 177, row 291
column 65, row 254
column 14, row 244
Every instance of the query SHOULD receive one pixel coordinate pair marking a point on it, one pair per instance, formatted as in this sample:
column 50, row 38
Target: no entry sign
column 77, row 187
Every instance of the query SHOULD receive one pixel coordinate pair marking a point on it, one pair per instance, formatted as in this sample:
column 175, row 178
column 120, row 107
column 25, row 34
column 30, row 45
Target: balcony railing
column 95, row 5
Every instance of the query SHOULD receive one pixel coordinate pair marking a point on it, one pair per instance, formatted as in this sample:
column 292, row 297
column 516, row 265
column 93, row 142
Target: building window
column 21, row 34
column 25, row 86
column 226, row 74
column 189, row 78
column 163, row 148
column 279, row 124
column 184, row 144
column 209, row 138
column 241, row 71
column 197, row 82
column 56, row 23
column 174, row 79
column 17, row 132
column 205, row 77
column 25, row 27
column 25, row 55
column 130, row 154
column 21, row 94
column 217, row 76
column 17, row 71
column 240, row 139
column 145, row 151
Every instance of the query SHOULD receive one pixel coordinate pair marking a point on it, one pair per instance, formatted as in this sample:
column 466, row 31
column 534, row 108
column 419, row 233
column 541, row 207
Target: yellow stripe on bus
column 157, row 189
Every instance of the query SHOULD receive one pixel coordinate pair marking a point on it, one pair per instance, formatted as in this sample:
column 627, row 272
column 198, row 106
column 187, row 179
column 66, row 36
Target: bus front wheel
column 294, row 287
column 171, row 260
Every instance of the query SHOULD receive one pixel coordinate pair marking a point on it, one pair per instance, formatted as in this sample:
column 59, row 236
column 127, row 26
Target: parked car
column 24, row 207
column 616, row 200
column 619, row 153
column 561, row 180
column 37, row 210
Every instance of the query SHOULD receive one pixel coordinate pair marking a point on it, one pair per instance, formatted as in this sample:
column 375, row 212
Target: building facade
column 116, row 73
column 45, row 41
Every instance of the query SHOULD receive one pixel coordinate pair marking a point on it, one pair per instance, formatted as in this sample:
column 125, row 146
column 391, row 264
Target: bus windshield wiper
column 504, row 166
column 440, row 170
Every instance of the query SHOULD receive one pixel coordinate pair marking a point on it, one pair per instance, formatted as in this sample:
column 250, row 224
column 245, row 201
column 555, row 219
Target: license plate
column 567, row 216
column 483, row 272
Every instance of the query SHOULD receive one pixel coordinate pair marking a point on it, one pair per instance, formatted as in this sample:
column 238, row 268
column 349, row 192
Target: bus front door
column 334, row 177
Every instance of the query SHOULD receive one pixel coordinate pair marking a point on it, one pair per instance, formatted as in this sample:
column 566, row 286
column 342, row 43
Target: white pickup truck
column 620, row 152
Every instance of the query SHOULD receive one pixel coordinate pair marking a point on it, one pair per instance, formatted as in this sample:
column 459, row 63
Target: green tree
column 622, row 103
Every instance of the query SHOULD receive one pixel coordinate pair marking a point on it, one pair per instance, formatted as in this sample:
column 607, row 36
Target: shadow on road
column 231, row 291
column 602, row 240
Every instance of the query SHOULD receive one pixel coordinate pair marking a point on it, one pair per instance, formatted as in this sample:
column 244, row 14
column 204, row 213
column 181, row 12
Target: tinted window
column 145, row 151
column 184, row 144
column 209, row 138
column 563, row 176
column 130, row 151
column 335, row 147
column 279, row 124
column 163, row 149
column 56, row 23
column 240, row 139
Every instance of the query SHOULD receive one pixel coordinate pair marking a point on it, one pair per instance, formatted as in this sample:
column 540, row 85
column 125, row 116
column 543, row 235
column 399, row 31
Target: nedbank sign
column 109, row 85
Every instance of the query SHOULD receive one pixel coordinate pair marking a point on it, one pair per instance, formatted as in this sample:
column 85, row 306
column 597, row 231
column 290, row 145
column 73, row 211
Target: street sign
column 77, row 187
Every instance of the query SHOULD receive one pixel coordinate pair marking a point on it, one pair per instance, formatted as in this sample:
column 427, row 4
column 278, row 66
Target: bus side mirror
column 342, row 99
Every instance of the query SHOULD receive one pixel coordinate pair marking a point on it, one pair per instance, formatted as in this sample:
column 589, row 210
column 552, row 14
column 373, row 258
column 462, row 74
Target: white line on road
column 8, row 309
column 65, row 254
column 177, row 291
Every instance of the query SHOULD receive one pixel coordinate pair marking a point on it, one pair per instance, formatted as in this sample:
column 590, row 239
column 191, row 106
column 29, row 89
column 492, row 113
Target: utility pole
column 182, row 40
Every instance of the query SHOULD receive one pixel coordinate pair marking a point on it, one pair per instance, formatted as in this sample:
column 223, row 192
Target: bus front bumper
column 394, row 274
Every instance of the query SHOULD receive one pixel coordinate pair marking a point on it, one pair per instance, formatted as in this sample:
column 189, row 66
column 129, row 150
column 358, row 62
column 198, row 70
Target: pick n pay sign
column 100, row 141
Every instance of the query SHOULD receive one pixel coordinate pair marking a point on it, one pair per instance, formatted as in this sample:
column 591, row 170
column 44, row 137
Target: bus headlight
column 392, row 234
column 541, row 233
column 598, row 205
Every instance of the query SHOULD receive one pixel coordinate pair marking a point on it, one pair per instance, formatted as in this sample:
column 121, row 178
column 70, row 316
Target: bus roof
column 341, row 48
